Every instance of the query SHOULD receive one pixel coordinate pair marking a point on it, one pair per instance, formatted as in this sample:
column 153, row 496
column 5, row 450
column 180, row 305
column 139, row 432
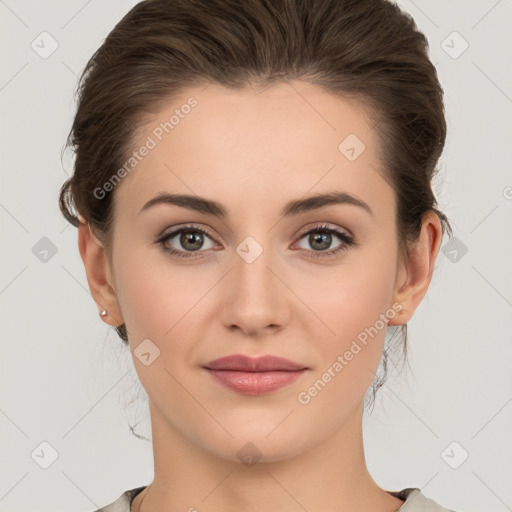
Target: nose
column 255, row 299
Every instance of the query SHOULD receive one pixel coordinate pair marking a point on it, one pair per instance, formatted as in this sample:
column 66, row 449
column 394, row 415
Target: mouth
column 254, row 376
column 241, row 363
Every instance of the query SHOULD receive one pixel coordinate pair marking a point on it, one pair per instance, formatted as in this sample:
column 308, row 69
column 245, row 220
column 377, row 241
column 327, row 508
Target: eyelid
column 344, row 235
column 326, row 225
column 183, row 227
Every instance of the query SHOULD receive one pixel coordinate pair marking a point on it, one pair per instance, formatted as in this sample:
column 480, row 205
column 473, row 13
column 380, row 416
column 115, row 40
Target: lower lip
column 255, row 383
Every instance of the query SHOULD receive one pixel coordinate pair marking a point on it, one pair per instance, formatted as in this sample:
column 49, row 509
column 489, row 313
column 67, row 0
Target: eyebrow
column 292, row 208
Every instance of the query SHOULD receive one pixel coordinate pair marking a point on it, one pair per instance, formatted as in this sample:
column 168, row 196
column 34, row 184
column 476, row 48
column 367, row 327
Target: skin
column 253, row 151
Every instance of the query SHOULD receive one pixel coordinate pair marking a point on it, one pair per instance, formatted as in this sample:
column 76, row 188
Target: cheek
column 346, row 361
column 350, row 308
column 157, row 305
column 160, row 300
column 149, row 301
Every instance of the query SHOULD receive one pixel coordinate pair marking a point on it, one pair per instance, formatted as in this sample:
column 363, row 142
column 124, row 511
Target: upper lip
column 239, row 362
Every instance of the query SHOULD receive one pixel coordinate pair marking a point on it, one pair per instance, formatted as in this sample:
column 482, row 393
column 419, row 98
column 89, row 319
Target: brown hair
column 362, row 50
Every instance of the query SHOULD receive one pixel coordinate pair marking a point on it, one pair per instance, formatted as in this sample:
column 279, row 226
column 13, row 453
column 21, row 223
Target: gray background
column 65, row 379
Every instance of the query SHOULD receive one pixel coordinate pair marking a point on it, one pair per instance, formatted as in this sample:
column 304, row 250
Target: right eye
column 191, row 239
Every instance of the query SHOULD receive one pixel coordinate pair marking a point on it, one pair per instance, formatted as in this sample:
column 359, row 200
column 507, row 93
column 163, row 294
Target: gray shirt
column 414, row 501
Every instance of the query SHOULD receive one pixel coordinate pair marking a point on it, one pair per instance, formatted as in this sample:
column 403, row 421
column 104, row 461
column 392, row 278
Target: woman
column 253, row 198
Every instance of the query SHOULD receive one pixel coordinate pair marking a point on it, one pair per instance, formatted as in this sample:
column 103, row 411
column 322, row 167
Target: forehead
column 289, row 138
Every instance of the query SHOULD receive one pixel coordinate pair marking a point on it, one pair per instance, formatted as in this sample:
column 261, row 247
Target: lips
column 254, row 376
column 243, row 363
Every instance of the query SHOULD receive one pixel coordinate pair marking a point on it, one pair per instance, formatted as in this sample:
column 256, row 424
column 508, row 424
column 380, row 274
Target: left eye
column 321, row 237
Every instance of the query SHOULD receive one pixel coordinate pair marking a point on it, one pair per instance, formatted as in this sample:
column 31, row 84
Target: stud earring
column 104, row 313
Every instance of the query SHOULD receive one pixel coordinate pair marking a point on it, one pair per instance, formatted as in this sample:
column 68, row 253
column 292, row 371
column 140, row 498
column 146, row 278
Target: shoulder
column 416, row 501
column 123, row 503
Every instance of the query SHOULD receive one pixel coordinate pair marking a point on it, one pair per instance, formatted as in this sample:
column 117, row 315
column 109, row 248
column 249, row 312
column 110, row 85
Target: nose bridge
column 255, row 296
column 251, row 273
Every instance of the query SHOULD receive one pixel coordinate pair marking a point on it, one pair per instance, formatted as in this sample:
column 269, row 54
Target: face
column 312, row 285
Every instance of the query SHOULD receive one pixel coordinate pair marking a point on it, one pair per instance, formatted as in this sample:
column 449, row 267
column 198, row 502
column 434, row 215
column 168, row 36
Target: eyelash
column 347, row 240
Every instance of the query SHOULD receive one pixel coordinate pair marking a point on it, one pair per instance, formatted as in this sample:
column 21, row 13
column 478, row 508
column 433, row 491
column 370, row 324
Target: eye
column 321, row 238
column 191, row 239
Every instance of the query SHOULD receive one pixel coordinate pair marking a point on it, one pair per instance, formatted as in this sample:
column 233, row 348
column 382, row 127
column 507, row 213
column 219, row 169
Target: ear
column 99, row 273
column 414, row 276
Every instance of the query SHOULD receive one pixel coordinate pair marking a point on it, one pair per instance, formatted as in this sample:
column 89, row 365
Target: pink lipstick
column 254, row 376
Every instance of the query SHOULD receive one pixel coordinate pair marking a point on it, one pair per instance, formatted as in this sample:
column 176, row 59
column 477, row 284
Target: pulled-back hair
column 368, row 51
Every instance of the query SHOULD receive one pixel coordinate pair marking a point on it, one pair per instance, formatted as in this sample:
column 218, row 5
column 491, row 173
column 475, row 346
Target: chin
column 251, row 445
column 256, row 451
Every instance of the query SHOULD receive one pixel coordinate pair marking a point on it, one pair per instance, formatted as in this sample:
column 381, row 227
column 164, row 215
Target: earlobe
column 98, row 273
column 418, row 270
